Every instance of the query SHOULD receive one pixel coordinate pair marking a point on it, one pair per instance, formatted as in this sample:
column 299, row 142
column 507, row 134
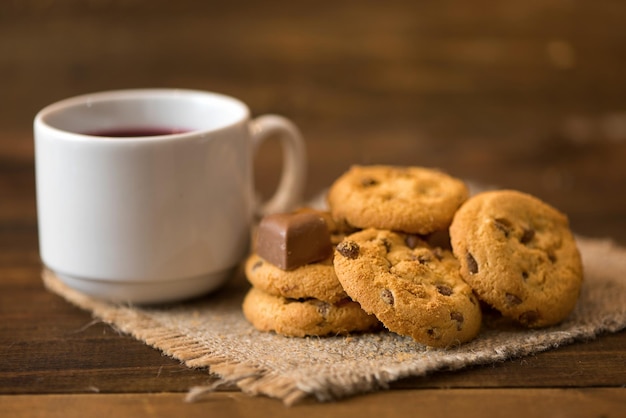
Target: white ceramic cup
column 160, row 218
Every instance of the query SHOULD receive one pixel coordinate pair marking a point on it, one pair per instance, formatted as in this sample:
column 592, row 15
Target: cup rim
column 107, row 95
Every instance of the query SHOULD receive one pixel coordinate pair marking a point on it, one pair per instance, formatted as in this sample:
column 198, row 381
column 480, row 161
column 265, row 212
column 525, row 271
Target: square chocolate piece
column 291, row 240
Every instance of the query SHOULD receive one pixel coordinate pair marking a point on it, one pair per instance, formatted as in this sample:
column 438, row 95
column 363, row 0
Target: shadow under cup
column 144, row 196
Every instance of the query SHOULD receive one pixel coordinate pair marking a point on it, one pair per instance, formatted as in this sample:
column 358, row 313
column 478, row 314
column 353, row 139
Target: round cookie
column 409, row 199
column 519, row 256
column 412, row 288
column 314, row 280
column 309, row 317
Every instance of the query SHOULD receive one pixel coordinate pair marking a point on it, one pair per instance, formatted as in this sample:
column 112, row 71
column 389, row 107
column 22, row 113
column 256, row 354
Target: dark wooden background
column 522, row 94
column 513, row 93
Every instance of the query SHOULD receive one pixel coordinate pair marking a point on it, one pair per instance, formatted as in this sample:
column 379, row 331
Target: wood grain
column 470, row 403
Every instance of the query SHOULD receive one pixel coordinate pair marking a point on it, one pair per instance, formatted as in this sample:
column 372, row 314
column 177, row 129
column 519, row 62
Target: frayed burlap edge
column 126, row 319
column 255, row 380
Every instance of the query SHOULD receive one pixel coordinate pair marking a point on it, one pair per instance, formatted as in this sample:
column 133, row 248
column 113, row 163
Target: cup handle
column 292, row 181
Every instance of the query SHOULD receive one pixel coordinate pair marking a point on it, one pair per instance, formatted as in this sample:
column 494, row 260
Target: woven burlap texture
column 212, row 332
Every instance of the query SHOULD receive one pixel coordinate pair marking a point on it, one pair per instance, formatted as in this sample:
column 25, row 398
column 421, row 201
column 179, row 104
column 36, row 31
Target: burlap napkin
column 212, row 332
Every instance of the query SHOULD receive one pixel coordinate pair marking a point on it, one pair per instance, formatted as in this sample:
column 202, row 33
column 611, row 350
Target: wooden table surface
column 521, row 94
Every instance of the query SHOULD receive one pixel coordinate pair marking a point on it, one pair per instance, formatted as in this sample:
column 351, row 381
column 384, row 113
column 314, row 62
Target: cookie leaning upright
column 295, row 291
column 519, row 256
column 408, row 199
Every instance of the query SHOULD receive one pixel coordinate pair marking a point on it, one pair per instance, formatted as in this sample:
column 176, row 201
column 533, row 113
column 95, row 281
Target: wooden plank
column 469, row 403
column 49, row 346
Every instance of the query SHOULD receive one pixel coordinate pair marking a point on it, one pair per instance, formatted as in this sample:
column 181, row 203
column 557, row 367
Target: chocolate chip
column 348, row 249
column 472, row 265
column 458, row 317
column 444, row 289
column 386, row 243
column 527, row 236
column 368, row 182
column 525, row 275
column 512, row 299
column 433, row 333
column 552, row 256
column 423, row 258
column 529, row 317
column 257, row 265
column 387, row 296
column 324, row 309
column 503, row 225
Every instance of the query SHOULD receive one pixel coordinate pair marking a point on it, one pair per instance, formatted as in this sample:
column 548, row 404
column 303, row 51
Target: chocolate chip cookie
column 519, row 256
column 412, row 288
column 299, row 318
column 408, row 199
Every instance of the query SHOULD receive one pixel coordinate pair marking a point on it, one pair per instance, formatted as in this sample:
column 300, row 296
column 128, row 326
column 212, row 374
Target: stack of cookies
column 424, row 258
column 295, row 291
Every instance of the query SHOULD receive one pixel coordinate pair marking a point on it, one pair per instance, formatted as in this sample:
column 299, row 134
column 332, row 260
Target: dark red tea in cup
column 133, row 132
